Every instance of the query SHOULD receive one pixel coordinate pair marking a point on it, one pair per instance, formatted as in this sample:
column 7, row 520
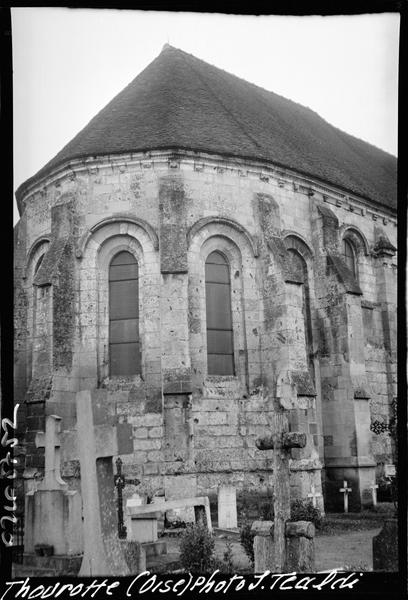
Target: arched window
column 220, row 350
column 350, row 256
column 124, row 350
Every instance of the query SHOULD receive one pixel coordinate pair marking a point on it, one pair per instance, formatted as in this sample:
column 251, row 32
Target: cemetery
column 99, row 536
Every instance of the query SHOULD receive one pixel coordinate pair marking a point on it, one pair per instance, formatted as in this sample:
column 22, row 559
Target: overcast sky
column 69, row 63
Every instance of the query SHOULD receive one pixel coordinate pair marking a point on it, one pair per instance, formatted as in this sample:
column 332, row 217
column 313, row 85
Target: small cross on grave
column 281, row 441
column 345, row 490
column 373, row 488
column 97, row 439
column 314, row 495
column 120, row 482
column 51, row 442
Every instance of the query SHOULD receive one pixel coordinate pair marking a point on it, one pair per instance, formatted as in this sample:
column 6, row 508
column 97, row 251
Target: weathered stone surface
column 300, row 552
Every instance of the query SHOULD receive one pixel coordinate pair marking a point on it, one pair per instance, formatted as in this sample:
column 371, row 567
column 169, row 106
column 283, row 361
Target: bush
column 246, row 537
column 303, row 510
column 197, row 549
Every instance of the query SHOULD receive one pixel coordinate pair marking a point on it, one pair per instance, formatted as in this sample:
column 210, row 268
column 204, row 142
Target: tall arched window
column 124, row 345
column 350, row 256
column 220, row 349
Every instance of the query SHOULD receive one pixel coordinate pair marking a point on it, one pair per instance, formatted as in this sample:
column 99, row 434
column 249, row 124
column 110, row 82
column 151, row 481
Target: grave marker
column 96, row 441
column 373, row 488
column 53, row 513
column 314, row 495
column 345, row 490
column 227, row 507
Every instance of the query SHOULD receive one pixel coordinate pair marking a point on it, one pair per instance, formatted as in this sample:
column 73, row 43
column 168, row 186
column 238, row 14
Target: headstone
column 177, row 488
column 314, row 495
column 227, row 507
column 96, row 441
column 300, row 552
column 53, row 513
column 143, row 527
column 135, row 500
column 373, row 488
column 264, row 550
column 345, row 490
column 385, row 547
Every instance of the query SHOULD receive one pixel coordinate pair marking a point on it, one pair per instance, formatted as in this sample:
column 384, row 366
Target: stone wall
column 171, row 212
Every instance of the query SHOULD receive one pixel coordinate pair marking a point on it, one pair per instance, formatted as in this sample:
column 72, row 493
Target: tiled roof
column 180, row 101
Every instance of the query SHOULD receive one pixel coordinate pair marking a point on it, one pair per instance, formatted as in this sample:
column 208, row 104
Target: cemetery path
column 353, row 550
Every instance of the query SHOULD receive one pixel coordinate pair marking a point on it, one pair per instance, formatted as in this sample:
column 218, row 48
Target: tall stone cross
column 51, row 442
column 281, row 440
column 97, row 439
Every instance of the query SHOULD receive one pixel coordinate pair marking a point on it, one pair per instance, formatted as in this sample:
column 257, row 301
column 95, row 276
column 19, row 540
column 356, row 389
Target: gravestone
column 53, row 513
column 385, row 547
column 314, row 495
column 142, row 527
column 176, row 488
column 227, row 507
column 346, row 491
column 374, row 488
column 97, row 439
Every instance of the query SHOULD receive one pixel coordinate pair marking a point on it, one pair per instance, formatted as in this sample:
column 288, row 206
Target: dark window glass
column 124, row 344
column 220, row 350
column 349, row 256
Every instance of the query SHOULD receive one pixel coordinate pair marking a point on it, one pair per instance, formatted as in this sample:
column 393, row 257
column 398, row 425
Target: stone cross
column 345, row 490
column 97, row 439
column 281, row 441
column 314, row 495
column 373, row 488
column 53, row 513
column 51, row 441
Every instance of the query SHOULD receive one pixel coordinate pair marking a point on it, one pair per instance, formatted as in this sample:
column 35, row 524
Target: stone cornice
column 268, row 173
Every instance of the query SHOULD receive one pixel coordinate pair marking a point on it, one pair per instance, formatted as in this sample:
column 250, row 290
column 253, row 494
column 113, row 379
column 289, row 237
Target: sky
column 69, row 63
